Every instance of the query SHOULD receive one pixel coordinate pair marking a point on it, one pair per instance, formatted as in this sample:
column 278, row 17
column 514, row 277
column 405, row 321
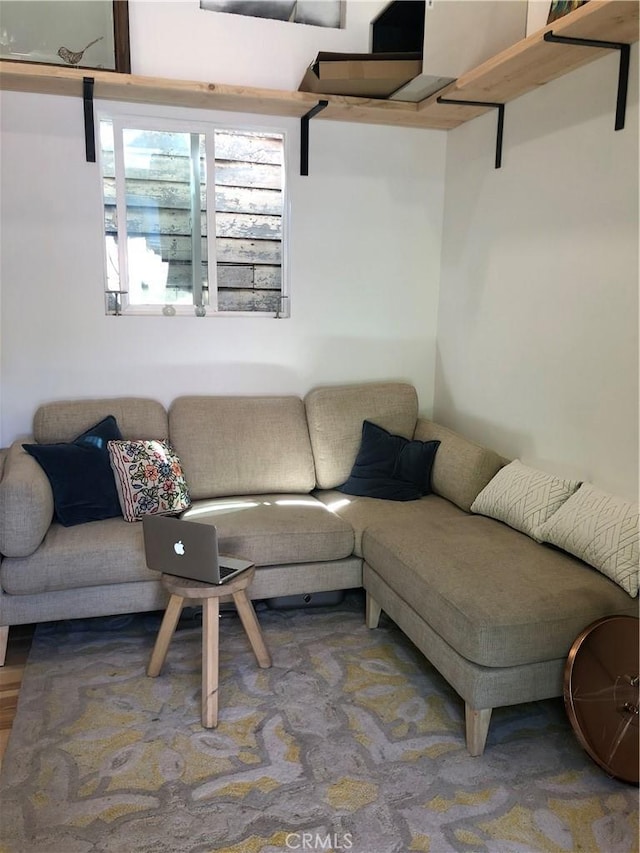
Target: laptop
column 188, row 549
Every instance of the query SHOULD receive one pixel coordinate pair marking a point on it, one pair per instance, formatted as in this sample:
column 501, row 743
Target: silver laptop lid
column 188, row 549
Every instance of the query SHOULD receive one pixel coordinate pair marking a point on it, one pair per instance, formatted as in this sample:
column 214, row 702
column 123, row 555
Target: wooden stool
column 181, row 590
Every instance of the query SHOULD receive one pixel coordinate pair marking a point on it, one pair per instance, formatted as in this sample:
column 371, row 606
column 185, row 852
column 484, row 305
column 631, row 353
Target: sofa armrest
column 26, row 503
column 461, row 468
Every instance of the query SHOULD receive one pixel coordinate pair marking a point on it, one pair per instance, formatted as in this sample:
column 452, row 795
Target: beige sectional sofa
column 494, row 611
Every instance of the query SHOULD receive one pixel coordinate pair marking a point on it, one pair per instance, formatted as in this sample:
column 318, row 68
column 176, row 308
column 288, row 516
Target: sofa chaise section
column 493, row 610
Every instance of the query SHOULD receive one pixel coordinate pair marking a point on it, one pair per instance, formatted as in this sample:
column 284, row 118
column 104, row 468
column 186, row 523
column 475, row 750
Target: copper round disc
column 601, row 694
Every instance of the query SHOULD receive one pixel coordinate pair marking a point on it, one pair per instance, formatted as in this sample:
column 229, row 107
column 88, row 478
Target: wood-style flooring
column 11, row 673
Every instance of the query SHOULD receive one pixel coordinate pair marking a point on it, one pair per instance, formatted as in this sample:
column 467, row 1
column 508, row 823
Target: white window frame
column 123, row 119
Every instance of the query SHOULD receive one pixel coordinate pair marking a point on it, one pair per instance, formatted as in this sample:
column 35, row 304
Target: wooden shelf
column 532, row 62
column 524, row 66
column 109, row 85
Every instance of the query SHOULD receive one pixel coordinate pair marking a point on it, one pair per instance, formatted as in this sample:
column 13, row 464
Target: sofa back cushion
column 136, row 417
column 335, row 416
column 242, row 445
column 461, row 468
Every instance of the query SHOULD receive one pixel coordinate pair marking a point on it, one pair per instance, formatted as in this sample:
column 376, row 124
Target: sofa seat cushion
column 495, row 595
column 361, row 513
column 94, row 554
column 275, row 529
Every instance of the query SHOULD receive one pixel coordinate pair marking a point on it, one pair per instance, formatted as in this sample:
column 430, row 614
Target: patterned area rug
column 351, row 741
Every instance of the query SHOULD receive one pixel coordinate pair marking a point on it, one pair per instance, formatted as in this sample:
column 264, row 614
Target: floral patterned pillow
column 148, row 477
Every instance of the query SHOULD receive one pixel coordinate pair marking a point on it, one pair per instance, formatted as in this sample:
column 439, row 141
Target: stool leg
column 168, row 626
column 210, row 610
column 252, row 628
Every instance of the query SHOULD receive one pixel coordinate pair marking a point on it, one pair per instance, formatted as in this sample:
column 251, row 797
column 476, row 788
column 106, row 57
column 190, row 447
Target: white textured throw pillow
column 600, row 529
column 523, row 497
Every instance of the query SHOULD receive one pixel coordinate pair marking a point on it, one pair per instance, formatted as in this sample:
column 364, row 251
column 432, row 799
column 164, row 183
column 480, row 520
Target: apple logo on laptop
column 179, row 548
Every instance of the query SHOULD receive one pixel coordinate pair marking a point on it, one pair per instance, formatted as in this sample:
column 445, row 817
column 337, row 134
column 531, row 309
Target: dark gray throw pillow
column 80, row 474
column 390, row 466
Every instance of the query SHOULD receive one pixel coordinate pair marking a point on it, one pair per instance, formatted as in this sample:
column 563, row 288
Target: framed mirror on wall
column 73, row 33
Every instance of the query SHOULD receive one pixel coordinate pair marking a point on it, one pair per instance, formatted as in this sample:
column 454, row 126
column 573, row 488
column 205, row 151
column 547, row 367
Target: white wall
column 538, row 318
column 537, row 14
column 176, row 38
column 365, row 239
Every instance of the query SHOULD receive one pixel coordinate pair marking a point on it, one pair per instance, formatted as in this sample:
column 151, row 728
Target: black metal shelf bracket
column 304, row 135
column 500, row 128
column 623, row 73
column 89, row 126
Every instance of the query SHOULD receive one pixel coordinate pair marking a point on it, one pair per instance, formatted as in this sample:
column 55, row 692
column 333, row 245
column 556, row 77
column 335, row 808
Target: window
column 193, row 219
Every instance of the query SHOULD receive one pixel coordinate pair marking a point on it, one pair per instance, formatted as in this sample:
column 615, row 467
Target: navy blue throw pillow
column 80, row 474
column 390, row 466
